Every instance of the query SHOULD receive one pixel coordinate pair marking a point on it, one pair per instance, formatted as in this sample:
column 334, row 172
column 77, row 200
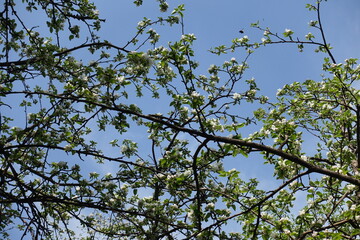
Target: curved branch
column 66, row 51
column 238, row 142
column 197, row 184
column 332, row 225
column 323, row 34
column 258, row 204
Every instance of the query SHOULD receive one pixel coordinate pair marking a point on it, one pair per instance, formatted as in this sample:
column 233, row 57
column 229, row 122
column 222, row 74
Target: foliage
column 62, row 120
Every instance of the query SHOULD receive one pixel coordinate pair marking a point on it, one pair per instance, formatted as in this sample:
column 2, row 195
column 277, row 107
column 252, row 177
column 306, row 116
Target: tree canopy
column 73, row 103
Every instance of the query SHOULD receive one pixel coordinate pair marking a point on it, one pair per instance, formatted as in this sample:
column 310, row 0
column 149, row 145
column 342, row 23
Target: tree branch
column 215, row 138
column 32, row 60
column 323, row 34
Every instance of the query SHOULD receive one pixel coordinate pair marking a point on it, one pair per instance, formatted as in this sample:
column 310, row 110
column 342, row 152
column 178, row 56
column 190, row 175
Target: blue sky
column 218, row 22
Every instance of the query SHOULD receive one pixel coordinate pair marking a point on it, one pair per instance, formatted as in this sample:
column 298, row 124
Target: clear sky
column 217, row 22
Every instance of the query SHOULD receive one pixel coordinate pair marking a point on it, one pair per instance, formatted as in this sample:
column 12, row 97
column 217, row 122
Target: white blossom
column 141, row 24
column 265, row 40
column 217, row 166
column 174, row 206
column 185, row 109
column 232, row 170
column 251, row 92
column 190, row 214
column 161, row 176
column 244, row 39
column 336, row 166
column 202, row 77
column 327, row 107
column 62, row 164
column 214, row 78
column 350, row 187
column 273, row 127
column 292, row 184
column 84, row 78
column 187, row 172
column 288, row 31
column 124, row 148
column 312, row 23
column 284, row 219
column 210, row 205
column 236, row 96
column 226, row 63
column 282, row 163
column 195, row 94
column 120, row 79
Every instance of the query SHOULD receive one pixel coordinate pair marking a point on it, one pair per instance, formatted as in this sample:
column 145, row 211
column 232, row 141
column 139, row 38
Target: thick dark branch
column 323, row 34
column 197, row 184
column 332, row 225
column 215, row 138
column 79, row 152
column 254, row 145
column 258, row 204
column 82, row 204
column 32, row 60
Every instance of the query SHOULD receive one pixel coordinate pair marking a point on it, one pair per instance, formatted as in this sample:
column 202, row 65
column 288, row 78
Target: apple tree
column 73, row 103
